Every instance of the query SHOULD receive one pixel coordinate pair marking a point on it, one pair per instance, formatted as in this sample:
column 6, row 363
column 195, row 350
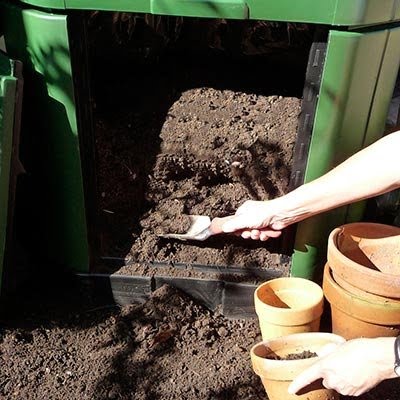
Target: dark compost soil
column 58, row 344
column 167, row 348
column 195, row 129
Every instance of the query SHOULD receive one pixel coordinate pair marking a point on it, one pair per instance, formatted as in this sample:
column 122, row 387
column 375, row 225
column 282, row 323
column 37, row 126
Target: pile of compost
column 194, row 129
column 57, row 343
column 167, row 348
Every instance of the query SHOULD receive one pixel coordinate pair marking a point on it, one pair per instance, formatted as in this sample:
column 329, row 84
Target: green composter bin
column 10, row 116
column 349, row 85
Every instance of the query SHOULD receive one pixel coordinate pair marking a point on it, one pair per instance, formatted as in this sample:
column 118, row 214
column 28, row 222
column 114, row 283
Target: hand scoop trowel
column 201, row 228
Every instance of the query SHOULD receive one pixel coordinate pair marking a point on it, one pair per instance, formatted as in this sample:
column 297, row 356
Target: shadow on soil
column 162, row 349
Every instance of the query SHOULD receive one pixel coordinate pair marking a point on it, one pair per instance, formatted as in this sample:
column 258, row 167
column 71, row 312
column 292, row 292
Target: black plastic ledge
column 9, row 280
column 234, row 299
column 312, row 86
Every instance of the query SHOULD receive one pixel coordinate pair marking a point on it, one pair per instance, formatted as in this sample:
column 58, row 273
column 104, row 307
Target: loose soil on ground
column 168, row 348
column 56, row 343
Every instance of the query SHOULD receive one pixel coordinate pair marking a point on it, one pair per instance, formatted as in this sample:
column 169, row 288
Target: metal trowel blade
column 199, row 224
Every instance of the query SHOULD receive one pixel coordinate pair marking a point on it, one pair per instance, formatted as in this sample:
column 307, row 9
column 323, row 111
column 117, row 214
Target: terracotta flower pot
column 367, row 256
column 288, row 305
column 360, row 314
column 276, row 375
column 362, row 293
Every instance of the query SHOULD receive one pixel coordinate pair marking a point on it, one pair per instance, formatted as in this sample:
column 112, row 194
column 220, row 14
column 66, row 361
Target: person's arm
column 370, row 172
column 352, row 368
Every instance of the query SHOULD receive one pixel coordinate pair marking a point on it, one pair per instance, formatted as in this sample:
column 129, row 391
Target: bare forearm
column 372, row 171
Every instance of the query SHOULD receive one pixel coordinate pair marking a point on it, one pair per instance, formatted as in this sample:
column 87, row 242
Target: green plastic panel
column 40, row 41
column 361, row 12
column 8, row 87
column 234, row 9
column 384, row 87
column 140, row 6
column 339, row 12
column 333, row 12
column 357, row 83
column 380, row 106
column 57, row 4
column 397, row 10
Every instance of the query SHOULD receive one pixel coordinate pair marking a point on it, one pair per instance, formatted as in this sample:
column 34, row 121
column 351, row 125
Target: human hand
column 351, row 368
column 255, row 220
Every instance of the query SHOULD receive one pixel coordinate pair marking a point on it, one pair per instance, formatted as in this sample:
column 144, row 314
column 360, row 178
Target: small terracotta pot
column 276, row 375
column 362, row 253
column 361, row 314
column 288, row 305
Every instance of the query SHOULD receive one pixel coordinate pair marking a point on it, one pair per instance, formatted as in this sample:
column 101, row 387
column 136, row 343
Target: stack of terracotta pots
column 362, row 280
column 289, row 311
column 361, row 283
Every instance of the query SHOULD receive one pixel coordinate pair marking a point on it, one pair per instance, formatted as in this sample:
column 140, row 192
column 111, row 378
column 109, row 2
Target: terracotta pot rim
column 380, row 283
column 275, row 368
column 334, row 234
column 308, row 282
column 290, row 317
column 372, row 224
column 356, row 306
column 371, row 297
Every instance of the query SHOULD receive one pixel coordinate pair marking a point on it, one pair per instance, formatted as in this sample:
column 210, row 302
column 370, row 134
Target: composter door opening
column 193, row 117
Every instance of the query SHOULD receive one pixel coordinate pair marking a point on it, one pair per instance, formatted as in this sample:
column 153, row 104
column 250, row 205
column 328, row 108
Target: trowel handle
column 217, row 223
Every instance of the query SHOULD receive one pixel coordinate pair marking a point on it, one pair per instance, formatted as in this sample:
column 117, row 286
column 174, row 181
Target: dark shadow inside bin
column 192, row 116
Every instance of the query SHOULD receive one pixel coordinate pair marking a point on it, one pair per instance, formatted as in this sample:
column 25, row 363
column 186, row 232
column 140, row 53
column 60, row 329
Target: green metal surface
column 8, row 87
column 356, row 86
column 40, row 41
column 333, row 12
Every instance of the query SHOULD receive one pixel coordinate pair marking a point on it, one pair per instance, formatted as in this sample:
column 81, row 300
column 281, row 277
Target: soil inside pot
column 294, row 356
column 196, row 124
